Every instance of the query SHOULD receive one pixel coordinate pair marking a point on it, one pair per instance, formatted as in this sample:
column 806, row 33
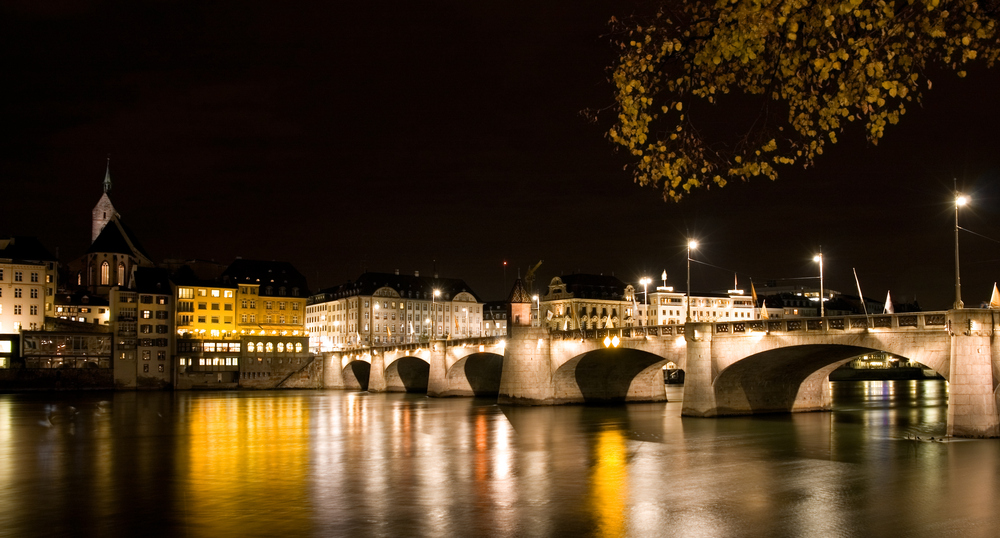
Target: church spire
column 107, row 177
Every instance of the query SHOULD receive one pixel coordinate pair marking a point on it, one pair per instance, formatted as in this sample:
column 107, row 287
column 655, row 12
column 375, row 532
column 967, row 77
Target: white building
column 382, row 309
column 27, row 284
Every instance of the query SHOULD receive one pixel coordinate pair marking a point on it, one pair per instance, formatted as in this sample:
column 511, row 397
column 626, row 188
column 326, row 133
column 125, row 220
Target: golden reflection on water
column 236, row 443
column 609, row 483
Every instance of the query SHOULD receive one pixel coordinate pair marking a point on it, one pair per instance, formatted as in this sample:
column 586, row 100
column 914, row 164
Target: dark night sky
column 340, row 137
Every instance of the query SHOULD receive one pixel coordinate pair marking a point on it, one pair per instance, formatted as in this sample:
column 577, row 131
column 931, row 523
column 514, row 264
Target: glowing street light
column 819, row 258
column 960, row 201
column 645, row 295
column 692, row 245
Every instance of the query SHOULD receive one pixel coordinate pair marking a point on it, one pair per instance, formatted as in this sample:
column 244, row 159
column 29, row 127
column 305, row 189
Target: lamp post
column 692, row 244
column 538, row 311
column 819, row 258
column 645, row 295
column 960, row 200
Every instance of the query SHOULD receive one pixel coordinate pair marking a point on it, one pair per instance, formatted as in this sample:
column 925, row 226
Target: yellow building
column 270, row 298
column 206, row 310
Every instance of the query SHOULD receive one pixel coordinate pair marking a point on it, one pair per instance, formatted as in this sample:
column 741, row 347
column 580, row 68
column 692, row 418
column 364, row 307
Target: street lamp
column 819, row 258
column 645, row 295
column 960, row 200
column 692, row 245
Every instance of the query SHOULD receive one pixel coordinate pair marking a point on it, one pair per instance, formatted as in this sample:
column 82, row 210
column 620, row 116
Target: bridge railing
column 915, row 320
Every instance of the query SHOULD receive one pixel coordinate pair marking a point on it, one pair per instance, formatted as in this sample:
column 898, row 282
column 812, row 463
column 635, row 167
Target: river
column 337, row 463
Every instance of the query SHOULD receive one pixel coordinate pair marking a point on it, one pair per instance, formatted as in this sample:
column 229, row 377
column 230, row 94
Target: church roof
column 118, row 238
column 518, row 294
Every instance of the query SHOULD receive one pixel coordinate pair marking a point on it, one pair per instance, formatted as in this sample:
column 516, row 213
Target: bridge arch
column 356, row 375
column 610, row 376
column 793, row 377
column 407, row 374
column 480, row 370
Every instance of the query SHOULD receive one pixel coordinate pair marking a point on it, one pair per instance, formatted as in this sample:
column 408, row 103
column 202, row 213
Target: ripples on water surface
column 356, row 464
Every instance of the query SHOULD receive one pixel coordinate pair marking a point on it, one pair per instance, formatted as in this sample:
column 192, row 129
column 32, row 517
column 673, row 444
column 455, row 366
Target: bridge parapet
column 841, row 324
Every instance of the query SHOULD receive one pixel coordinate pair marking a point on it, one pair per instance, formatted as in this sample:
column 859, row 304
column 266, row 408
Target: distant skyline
column 404, row 136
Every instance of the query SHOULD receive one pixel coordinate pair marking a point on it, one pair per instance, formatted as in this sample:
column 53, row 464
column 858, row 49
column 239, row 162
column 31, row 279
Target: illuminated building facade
column 495, row 319
column 27, row 284
column 143, row 330
column 583, row 301
column 270, row 297
column 83, row 307
column 381, row 309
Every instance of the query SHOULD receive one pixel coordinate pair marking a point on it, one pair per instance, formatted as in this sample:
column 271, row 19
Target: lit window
column 215, row 293
column 105, row 273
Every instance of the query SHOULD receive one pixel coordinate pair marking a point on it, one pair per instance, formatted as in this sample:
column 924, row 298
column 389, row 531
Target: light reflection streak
column 609, row 483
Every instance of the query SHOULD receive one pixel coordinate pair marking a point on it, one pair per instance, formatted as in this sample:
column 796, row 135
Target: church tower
column 104, row 210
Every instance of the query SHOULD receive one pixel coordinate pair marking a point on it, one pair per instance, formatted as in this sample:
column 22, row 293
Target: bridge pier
column 974, row 358
column 527, row 368
column 699, row 394
column 437, row 381
column 333, row 370
column 376, row 377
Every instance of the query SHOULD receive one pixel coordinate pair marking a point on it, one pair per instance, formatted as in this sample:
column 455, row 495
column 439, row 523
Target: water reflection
column 358, row 464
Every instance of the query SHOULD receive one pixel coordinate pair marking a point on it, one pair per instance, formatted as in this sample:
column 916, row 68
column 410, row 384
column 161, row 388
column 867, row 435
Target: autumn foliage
column 809, row 67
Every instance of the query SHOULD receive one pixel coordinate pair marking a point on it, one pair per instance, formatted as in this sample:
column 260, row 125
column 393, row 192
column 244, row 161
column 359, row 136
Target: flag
column 995, row 298
column 411, row 326
column 763, row 310
column 753, row 293
column 889, row 309
column 387, row 330
column 548, row 315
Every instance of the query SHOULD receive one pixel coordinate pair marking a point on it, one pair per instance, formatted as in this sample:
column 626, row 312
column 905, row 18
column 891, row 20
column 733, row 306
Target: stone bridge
column 466, row 367
column 731, row 368
column 760, row 366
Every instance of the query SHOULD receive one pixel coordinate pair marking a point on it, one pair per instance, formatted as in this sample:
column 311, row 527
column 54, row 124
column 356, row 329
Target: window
column 145, row 328
column 253, row 304
column 121, row 274
column 228, row 306
column 269, row 347
column 281, row 290
column 17, row 276
column 17, row 293
column 268, row 305
column 201, row 319
column 34, row 309
column 295, row 320
column 162, row 314
column 243, row 318
column 281, row 305
column 215, row 306
column 161, row 299
column 17, row 309
column 159, row 368
column 105, row 273
column 202, row 292
column 185, row 293
column 145, row 354
column 161, row 329
column 34, row 293
column 146, row 314
column 281, row 347
column 215, row 319
column 243, row 303
column 295, row 306
column 253, row 318
column 215, row 293
column 145, row 368
column 34, row 277
column 227, row 293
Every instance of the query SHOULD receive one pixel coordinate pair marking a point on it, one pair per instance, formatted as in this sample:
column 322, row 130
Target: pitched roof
column 518, row 294
column 406, row 285
column 593, row 286
column 24, row 249
column 118, row 238
column 268, row 274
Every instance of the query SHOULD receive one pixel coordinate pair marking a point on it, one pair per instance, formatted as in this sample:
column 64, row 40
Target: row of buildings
column 131, row 322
